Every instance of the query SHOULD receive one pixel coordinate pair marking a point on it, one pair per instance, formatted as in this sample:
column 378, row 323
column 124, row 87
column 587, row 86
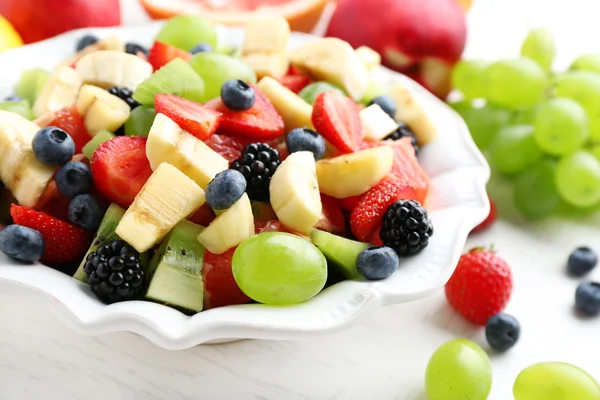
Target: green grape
column 578, row 179
column 30, row 84
column 458, row 370
column 587, row 62
column 595, row 150
column 561, row 126
column 215, row 69
column 140, row 121
column 18, row 107
column 310, row 92
column 373, row 90
column 540, row 47
column 514, row 149
column 535, row 194
column 279, row 268
column 516, row 83
column 469, row 78
column 555, row 381
column 524, row 117
column 91, row 146
column 186, row 31
column 484, row 122
column 584, row 88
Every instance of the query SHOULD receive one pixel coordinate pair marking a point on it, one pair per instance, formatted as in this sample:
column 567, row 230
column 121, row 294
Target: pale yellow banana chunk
column 112, row 42
column 101, row 110
column 369, row 57
column 60, row 91
column 265, row 46
column 376, row 123
column 295, row 112
column 409, row 111
column 108, row 68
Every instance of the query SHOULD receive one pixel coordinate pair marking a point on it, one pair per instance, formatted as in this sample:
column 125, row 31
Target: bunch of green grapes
column 539, row 128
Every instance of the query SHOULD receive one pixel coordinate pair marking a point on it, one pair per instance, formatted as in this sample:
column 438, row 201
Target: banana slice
column 377, row 124
column 294, row 191
column 296, row 113
column 412, row 114
column 20, row 170
column 112, row 42
column 265, row 46
column 335, row 61
column 275, row 65
column 108, row 68
column 101, row 110
column 60, row 91
column 369, row 57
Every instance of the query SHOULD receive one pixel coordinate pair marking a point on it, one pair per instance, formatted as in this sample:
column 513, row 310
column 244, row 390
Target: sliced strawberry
column 333, row 220
column 259, row 122
column 204, row 216
column 293, row 71
column 365, row 220
column 230, row 147
column 193, row 117
column 336, row 118
column 406, row 168
column 295, row 82
column 69, row 120
column 120, row 168
column 161, row 54
column 349, row 203
column 65, row 243
column 220, row 287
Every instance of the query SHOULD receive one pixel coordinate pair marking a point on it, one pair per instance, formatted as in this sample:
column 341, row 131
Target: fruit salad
column 196, row 175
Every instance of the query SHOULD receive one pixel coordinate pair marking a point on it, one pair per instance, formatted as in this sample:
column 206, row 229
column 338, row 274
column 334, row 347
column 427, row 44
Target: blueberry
column 86, row 212
column 237, row 95
column 587, row 298
column 86, row 41
column 377, row 262
column 134, row 48
column 202, row 48
column 386, row 103
column 303, row 139
column 74, row 178
column 502, row 331
column 582, row 261
column 53, row 146
column 21, row 243
column 13, row 97
column 225, row 189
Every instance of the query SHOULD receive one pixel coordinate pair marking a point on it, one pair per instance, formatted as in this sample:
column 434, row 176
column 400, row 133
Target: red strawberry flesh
column 193, row 117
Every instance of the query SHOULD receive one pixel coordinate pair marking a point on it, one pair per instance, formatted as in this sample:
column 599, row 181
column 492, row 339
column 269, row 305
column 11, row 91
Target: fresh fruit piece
column 386, row 103
column 279, row 268
column 30, row 84
column 106, row 277
column 259, row 122
column 58, row 92
column 586, row 62
column 109, row 68
column 406, row 227
column 104, row 235
column 376, row 263
column 74, row 178
column 101, row 110
column 18, row 107
column 367, row 215
column 237, row 95
column 265, row 46
column 337, row 119
column 309, row 93
column 354, row 174
column 369, row 57
column 373, row 91
column 53, row 146
column 410, row 111
column 161, row 54
column 225, row 189
column 335, row 61
column 403, row 131
column 515, row 149
column 10, row 37
column 189, row 115
column 304, row 139
column 202, row 48
column 228, row 147
column 458, row 369
column 111, row 42
column 216, row 69
column 204, row 216
column 230, row 228
column 349, row 203
column 86, row 41
column 555, row 380
column 295, row 192
column 489, row 220
column 341, row 252
column 175, row 270
column 561, row 126
column 185, row 31
column 295, row 83
column 407, row 171
column 140, row 121
column 587, row 298
column 167, row 198
column 220, row 287
column 69, row 120
column 582, row 261
column 86, row 212
column 21, row 243
column 480, row 286
column 483, row 122
column 536, row 194
column 177, row 77
column 334, row 220
column 376, row 123
column 469, row 77
column 64, row 242
column 577, row 179
column 120, row 169
column 92, row 145
column 168, row 142
column 584, row 88
column 516, row 83
column 124, row 94
column 294, row 111
column 502, row 331
column 540, row 47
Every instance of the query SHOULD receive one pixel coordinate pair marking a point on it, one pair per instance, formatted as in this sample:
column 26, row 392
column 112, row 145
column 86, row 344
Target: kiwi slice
column 97, row 140
column 30, row 84
column 140, row 121
column 176, row 269
column 177, row 77
column 339, row 251
column 18, row 107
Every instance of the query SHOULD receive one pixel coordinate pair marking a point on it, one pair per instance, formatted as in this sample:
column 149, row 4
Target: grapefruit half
column 302, row 15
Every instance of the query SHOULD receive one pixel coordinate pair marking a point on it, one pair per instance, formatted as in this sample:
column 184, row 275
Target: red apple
column 38, row 20
column 420, row 38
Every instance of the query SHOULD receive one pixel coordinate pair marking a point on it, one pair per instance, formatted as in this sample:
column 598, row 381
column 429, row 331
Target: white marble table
column 384, row 357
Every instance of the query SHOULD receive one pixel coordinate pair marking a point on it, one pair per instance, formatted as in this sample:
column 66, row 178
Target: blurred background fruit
column 9, row 38
column 38, row 20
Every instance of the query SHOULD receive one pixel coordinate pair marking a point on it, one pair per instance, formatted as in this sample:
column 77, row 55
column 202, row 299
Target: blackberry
column 134, row 48
column 114, row 272
column 124, row 94
column 402, row 132
column 258, row 164
column 406, row 227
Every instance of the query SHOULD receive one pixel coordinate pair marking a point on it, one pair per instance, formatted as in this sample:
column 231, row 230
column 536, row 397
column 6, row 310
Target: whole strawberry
column 480, row 286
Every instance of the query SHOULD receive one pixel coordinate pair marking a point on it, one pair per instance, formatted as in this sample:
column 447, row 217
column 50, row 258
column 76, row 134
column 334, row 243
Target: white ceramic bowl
column 458, row 175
